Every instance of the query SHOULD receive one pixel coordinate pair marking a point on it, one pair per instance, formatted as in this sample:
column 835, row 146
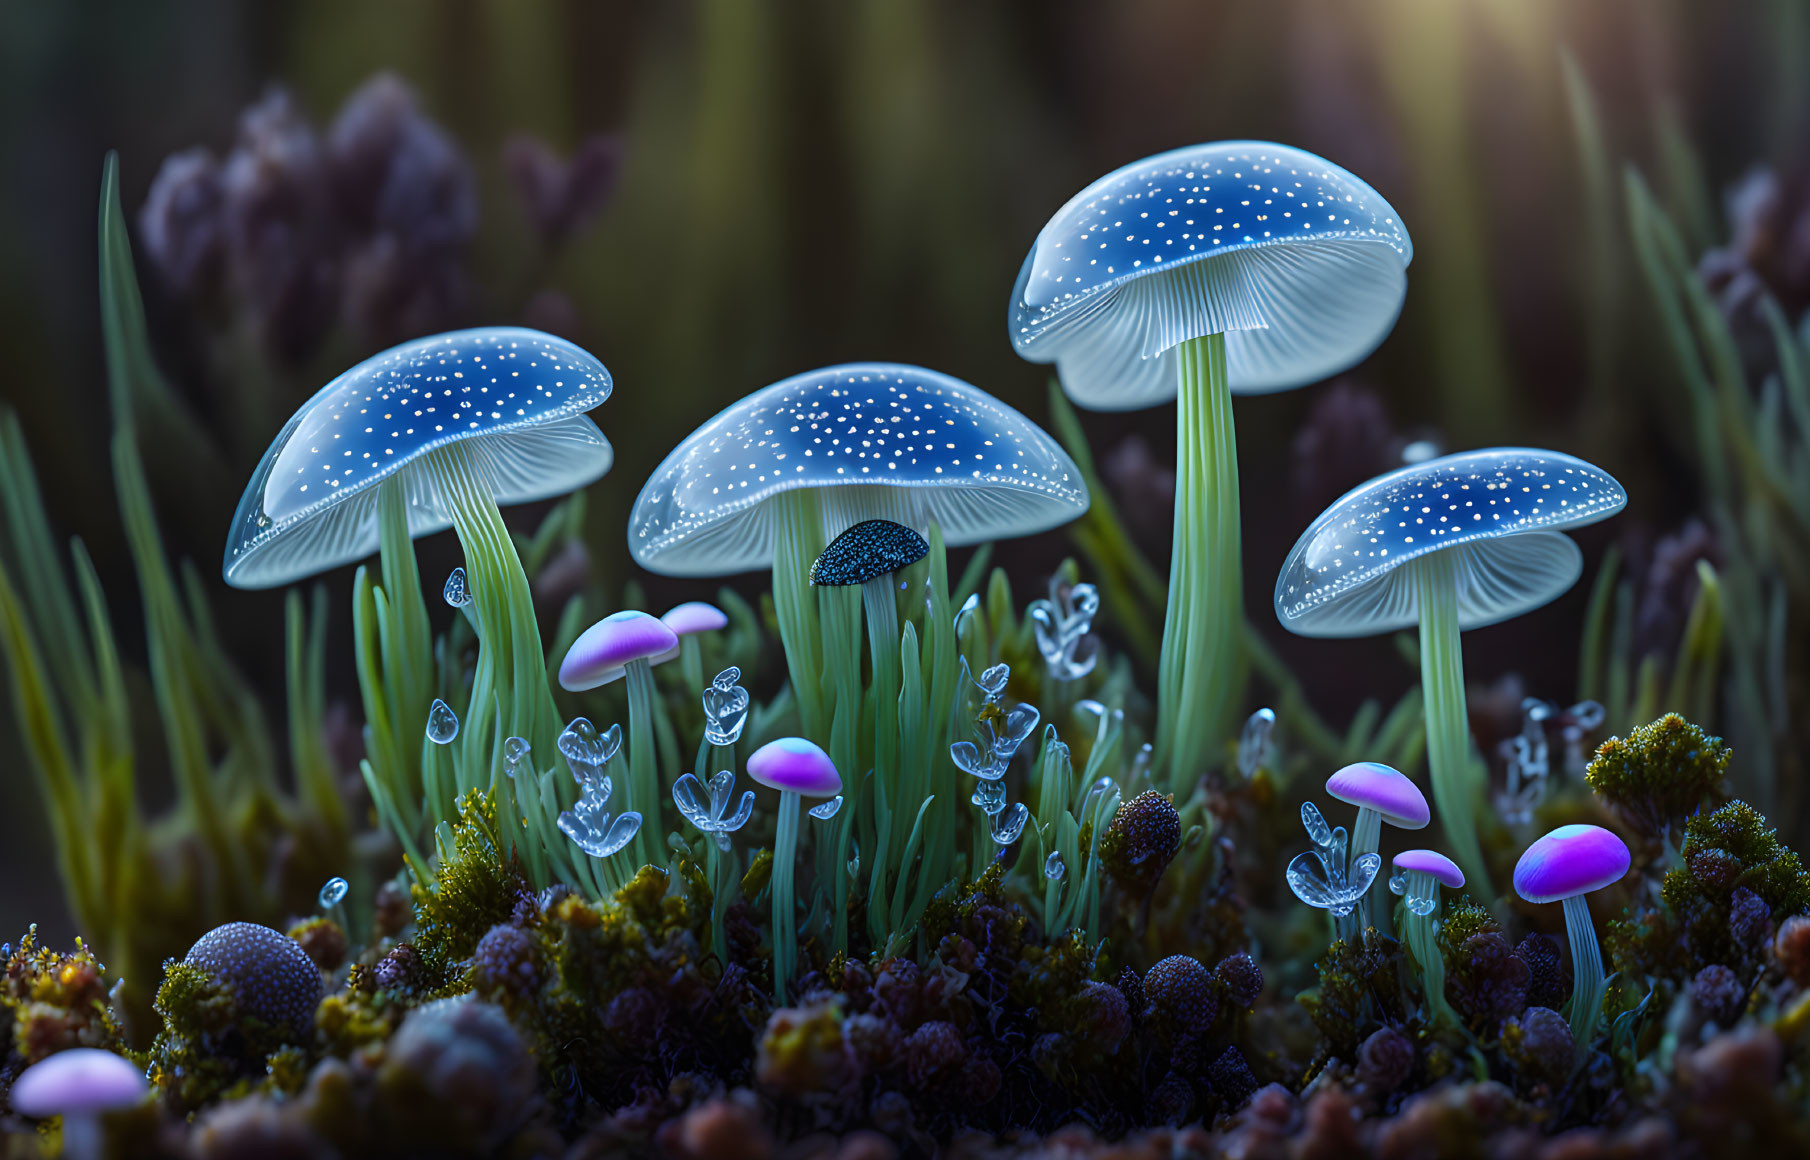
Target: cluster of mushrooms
column 1194, row 276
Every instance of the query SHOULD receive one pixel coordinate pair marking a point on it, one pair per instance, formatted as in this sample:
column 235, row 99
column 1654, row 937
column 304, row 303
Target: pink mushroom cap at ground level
column 1570, row 861
column 1431, row 862
column 794, row 765
column 1372, row 785
column 80, row 1081
column 603, row 651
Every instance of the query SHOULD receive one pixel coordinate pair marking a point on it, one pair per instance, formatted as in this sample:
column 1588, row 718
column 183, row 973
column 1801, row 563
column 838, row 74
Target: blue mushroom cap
column 1500, row 511
column 1299, row 263
column 881, row 440
column 515, row 398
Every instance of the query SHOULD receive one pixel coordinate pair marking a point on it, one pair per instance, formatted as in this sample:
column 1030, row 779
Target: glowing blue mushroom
column 1236, row 267
column 1450, row 544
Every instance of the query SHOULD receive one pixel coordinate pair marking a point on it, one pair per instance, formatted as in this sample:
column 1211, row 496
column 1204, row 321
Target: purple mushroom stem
column 1381, row 794
column 796, row 768
column 1563, row 867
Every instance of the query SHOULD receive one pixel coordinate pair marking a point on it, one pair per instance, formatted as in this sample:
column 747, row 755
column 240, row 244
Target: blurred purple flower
column 562, row 197
column 280, row 232
column 180, row 224
column 1346, row 439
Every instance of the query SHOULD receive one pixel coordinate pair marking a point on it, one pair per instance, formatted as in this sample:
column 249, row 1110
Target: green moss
column 207, row 1049
column 1359, row 990
column 56, row 1000
column 1659, row 773
column 475, row 887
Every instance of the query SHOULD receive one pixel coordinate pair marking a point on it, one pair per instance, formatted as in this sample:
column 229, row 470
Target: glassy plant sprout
column 1256, row 749
column 1454, row 543
column 709, row 812
column 1218, row 269
column 1322, row 878
column 1381, row 794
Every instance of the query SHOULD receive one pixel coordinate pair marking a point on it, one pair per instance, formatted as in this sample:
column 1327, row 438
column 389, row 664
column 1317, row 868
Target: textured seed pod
column 1791, row 948
column 1719, row 994
column 934, row 1052
column 1538, row 1042
column 398, row 968
column 1230, row 1075
column 1241, row 978
column 268, row 973
column 1749, row 920
column 1141, row 840
column 1179, row 995
column 1548, row 971
column 507, row 960
column 1385, row 1059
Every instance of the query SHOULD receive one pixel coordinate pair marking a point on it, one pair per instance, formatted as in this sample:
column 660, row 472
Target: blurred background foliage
column 714, row 194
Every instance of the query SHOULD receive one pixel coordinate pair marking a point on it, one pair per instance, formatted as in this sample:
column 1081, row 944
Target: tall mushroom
column 1236, row 267
column 797, row 769
column 1449, row 544
column 626, row 644
column 771, row 479
column 1562, row 867
column 867, row 555
column 431, row 434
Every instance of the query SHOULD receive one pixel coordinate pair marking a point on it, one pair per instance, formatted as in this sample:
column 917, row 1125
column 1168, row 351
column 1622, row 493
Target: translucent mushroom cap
column 514, row 399
column 1500, row 512
column 878, row 439
column 80, row 1081
column 1301, row 265
column 1371, row 785
column 1570, row 861
column 869, row 549
column 1442, row 868
column 602, row 652
column 794, row 765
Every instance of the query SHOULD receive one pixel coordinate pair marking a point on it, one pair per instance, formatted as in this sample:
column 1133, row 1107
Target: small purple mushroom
column 686, row 621
column 1565, row 865
column 796, row 768
column 1381, row 794
column 1420, row 874
column 81, row 1085
column 627, row 643
column 607, row 650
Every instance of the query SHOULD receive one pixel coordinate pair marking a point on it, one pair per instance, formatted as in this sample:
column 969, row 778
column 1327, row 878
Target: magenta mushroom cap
column 1371, row 785
column 1570, row 861
column 1431, row 862
column 80, row 1081
column 695, row 616
column 794, row 765
column 603, row 651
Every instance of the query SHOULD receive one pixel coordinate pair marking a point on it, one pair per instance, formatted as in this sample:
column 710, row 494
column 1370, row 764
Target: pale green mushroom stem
column 1455, row 790
column 1586, row 971
column 1202, row 657
column 1421, row 933
column 785, row 917
column 643, row 783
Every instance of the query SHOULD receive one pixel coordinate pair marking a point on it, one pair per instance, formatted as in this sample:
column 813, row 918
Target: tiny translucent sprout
column 725, row 708
column 1398, row 884
column 991, row 682
column 1140, row 766
column 456, row 592
column 1318, row 884
column 442, row 724
column 588, row 751
column 990, row 796
column 965, row 611
column 1420, row 451
column 1098, row 790
column 334, row 893
column 1008, row 824
column 1528, row 754
column 854, row 860
column 515, row 751
column 589, row 826
column 1062, row 624
column 713, row 817
column 1053, row 868
column 827, row 810
column 1254, row 749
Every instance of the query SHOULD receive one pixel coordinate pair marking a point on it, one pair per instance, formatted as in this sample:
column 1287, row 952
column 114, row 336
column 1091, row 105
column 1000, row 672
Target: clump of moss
column 475, row 887
column 1359, row 990
column 209, row 1046
column 1659, row 773
column 56, row 1000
